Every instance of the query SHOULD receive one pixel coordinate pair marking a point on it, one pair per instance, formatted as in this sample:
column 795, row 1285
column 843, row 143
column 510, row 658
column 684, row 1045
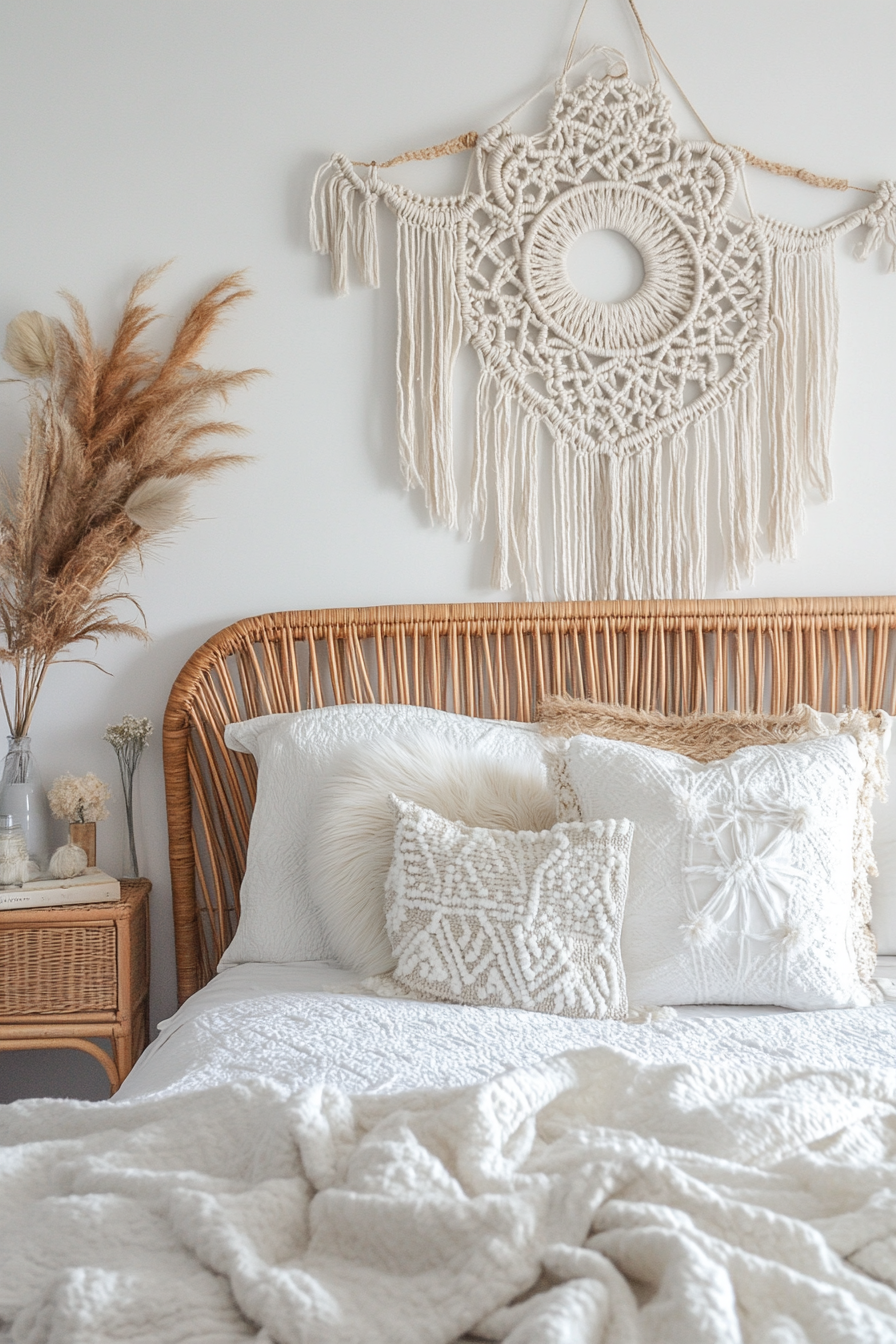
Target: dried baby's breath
column 129, row 738
column 129, row 735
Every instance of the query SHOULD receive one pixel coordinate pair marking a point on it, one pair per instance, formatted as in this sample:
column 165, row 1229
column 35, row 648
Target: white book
column 90, row 888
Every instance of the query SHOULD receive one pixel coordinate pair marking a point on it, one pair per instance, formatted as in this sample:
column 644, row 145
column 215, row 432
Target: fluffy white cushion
column 296, row 755
column 741, row 877
column 350, row 845
column 517, row 919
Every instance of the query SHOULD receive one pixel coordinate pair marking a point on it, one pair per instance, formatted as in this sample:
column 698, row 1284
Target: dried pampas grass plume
column 116, row 438
column 159, row 504
column 31, row 345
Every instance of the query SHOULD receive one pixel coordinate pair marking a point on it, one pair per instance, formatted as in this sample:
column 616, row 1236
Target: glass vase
column 22, row 797
column 131, row 867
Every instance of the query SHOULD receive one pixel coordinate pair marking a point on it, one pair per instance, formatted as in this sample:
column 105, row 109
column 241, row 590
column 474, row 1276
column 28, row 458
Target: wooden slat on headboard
column 491, row 660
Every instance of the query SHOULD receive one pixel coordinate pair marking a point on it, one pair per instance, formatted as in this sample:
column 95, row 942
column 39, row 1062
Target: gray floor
column 51, row 1073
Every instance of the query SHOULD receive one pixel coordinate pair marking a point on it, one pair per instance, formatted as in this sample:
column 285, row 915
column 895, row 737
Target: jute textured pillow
column 702, row 737
column 515, row 919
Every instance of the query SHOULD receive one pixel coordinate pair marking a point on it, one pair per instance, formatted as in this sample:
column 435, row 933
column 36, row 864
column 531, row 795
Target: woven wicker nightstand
column 69, row 973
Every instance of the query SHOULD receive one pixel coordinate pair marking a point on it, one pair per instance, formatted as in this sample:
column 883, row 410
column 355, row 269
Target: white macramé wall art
column 661, row 408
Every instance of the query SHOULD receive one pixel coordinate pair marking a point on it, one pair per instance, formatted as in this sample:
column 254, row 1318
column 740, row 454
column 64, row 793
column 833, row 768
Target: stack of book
column 91, row 887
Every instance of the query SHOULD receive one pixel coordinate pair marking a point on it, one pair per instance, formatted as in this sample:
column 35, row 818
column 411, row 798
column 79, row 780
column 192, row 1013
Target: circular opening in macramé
column 658, row 308
column 604, row 266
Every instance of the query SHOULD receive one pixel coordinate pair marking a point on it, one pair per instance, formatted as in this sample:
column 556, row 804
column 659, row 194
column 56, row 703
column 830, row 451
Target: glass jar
column 14, row 867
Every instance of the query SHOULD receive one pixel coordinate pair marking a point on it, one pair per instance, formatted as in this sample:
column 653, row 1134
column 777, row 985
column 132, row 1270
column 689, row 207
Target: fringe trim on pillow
column 867, row 729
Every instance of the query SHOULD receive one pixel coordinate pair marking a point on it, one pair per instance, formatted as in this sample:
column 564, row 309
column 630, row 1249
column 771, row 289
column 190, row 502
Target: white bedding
column 280, row 1021
column 294, row 1165
column 629, row 1203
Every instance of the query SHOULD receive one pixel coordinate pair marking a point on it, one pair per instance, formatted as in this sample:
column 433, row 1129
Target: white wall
column 137, row 131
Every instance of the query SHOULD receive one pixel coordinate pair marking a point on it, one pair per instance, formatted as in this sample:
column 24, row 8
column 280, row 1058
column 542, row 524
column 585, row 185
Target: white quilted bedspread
column 239, row 1026
column 589, row 1199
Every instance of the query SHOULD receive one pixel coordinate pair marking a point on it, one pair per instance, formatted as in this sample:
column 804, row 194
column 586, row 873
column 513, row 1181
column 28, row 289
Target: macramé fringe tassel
column 430, row 331
column 506, row 439
column 798, row 374
column 343, row 215
column 736, row 429
column 430, row 325
column 632, row 527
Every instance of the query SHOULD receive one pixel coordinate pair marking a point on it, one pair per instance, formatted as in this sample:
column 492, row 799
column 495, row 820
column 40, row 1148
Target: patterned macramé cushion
column 515, row 919
column 703, row 737
column 715, row 737
column 741, row 874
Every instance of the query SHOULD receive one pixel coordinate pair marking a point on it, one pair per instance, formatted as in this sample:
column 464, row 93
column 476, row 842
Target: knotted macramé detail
column 713, row 737
column 514, row 919
column 654, row 405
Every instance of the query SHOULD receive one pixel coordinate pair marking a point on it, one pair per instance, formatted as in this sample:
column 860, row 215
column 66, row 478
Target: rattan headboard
column 491, row 661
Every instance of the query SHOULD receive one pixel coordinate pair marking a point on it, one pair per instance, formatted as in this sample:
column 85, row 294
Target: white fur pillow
column 352, row 833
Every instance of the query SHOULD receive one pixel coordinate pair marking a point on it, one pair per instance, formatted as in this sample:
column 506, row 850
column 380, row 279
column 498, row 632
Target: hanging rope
column 470, row 139
column 803, row 174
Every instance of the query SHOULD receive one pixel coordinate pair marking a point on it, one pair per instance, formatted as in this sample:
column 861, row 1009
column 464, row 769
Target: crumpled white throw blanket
column 590, row 1199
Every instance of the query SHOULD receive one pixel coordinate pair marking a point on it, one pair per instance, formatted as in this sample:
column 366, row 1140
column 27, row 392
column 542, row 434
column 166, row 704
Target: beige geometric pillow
column 713, row 737
column 515, row 919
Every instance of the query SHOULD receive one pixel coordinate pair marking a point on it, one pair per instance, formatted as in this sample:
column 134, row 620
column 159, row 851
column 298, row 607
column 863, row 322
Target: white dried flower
column 159, row 504
column 131, row 732
column 129, row 738
column 31, row 345
column 78, row 799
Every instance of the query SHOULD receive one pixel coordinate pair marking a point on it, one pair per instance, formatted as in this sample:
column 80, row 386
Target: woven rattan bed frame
column 491, row 661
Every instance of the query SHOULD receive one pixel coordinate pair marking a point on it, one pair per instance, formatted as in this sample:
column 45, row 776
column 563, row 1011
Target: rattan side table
column 69, row 973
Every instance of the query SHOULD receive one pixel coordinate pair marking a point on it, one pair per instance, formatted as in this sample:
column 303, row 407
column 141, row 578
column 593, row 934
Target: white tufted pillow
column 741, row 877
column 516, row 919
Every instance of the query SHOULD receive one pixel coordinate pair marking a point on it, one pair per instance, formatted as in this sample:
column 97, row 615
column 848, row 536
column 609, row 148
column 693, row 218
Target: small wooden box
column 70, row 974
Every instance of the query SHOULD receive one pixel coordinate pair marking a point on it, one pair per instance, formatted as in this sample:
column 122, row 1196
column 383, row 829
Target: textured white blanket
column 591, row 1199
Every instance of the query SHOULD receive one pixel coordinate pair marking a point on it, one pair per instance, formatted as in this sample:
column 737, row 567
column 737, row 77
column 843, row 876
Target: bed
column 345, row 1164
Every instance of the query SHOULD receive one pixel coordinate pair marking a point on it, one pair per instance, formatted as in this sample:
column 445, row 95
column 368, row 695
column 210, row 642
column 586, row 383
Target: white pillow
column 296, row 755
column 516, row 919
column 741, row 878
column 351, row 837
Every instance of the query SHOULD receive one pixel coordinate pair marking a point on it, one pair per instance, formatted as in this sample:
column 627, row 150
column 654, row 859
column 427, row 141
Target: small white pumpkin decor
column 68, row 861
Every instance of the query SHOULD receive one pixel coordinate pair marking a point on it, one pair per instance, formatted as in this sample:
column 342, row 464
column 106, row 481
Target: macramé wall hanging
column 658, row 409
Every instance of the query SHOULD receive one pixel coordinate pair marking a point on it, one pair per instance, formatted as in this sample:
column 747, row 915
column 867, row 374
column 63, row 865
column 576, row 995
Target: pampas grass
column 114, row 443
